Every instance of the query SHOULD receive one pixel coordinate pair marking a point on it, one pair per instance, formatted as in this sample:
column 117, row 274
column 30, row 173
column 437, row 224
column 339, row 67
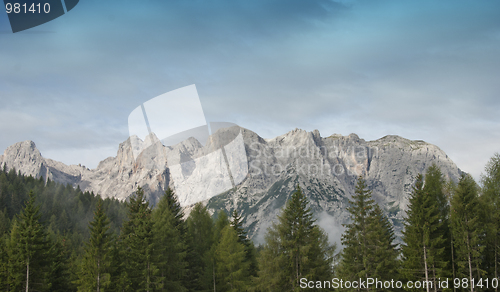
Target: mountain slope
column 325, row 167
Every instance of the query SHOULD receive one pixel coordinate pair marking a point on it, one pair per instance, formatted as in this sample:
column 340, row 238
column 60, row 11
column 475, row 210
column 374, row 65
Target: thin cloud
column 422, row 70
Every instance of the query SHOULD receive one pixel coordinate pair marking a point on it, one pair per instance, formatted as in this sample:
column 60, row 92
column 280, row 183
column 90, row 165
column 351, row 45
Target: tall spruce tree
column 66, row 211
column 139, row 272
column 28, row 251
column 232, row 268
column 59, row 266
column 237, row 224
column 95, row 269
column 4, row 222
column 211, row 264
column 169, row 243
column 295, row 248
column 424, row 242
column 467, row 229
column 200, row 230
column 420, row 217
column 250, row 252
column 490, row 200
column 369, row 249
column 385, row 253
column 355, row 261
column 434, row 188
column 221, row 221
column 4, row 259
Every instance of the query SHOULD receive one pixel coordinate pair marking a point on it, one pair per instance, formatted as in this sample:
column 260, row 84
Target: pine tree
column 232, row 269
column 139, row 271
column 59, row 264
column 250, row 253
column 369, row 251
column 4, row 222
column 65, row 236
column 95, row 269
column 4, row 274
column 237, row 225
column 434, row 188
column 28, row 251
column 467, row 229
column 415, row 249
column 423, row 243
column 355, row 255
column 169, row 243
column 490, row 200
column 384, row 251
column 4, row 227
column 200, row 238
column 221, row 222
column 295, row 248
column 175, row 209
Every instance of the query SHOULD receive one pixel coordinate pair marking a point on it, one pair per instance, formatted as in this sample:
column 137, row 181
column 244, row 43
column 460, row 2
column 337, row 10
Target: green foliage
column 434, row 188
column 369, row 249
column 381, row 241
column 490, row 206
column 250, row 253
column 467, row 229
column 59, row 256
column 295, row 248
column 65, row 209
column 47, row 242
column 211, row 258
column 232, row 268
column 4, row 222
column 95, row 269
column 355, row 256
column 4, row 259
column 200, row 230
column 221, row 221
column 427, row 239
column 419, row 219
column 169, row 243
column 237, row 225
column 138, row 266
column 28, row 251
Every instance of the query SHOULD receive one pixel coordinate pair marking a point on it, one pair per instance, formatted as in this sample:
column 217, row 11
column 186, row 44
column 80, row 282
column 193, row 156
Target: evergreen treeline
column 43, row 230
column 450, row 238
column 56, row 238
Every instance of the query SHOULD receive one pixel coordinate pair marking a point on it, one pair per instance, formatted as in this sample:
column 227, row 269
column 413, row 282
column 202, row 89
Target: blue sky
column 426, row 70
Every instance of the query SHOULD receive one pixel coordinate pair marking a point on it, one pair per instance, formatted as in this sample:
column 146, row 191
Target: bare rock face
column 26, row 157
column 116, row 177
column 326, row 168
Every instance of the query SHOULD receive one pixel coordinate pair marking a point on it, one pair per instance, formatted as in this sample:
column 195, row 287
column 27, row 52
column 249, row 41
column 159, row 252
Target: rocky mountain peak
column 24, row 157
column 263, row 176
column 23, row 149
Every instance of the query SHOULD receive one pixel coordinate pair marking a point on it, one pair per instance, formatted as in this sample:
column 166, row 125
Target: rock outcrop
column 326, row 168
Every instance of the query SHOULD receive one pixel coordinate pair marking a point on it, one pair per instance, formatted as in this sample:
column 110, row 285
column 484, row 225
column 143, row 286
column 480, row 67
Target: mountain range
column 326, row 168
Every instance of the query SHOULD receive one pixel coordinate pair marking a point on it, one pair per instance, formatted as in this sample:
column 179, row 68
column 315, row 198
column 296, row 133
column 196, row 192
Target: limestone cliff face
column 116, row 177
column 326, row 168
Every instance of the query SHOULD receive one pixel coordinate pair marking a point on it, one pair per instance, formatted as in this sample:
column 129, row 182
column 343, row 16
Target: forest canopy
column 55, row 237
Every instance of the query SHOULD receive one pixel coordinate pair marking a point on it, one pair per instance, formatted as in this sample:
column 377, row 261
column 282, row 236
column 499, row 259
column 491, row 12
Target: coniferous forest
column 58, row 238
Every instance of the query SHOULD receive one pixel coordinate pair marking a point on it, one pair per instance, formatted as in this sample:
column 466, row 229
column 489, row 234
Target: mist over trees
column 295, row 248
column 58, row 238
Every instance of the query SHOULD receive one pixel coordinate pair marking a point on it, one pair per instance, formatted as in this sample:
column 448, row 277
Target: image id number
column 23, row 8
